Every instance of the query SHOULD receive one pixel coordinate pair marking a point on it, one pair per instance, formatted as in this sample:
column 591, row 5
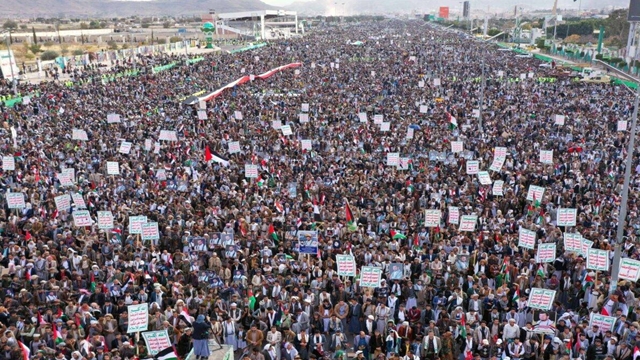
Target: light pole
column 11, row 61
column 481, row 98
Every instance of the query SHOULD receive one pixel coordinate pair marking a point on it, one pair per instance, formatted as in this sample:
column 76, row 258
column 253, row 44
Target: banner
column 473, row 166
column 250, row 171
column 498, row 188
column 536, row 192
column 79, row 134
column 629, row 269
column 15, row 200
column 8, row 163
column 135, row 224
column 370, row 276
column 157, row 341
column 432, row 218
column 526, row 238
column 468, row 222
column 113, row 168
column 308, row 241
column 484, row 178
column 138, row 318
column 541, row 298
column 63, row 202
column 81, row 218
column 546, row 253
column 604, row 323
column 105, row 220
column 454, row 215
column 567, row 217
column 150, row 232
column 598, row 259
column 346, row 265
column 573, row 242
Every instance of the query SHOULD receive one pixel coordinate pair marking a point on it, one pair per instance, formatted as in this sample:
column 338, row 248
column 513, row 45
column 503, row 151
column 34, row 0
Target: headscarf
column 200, row 318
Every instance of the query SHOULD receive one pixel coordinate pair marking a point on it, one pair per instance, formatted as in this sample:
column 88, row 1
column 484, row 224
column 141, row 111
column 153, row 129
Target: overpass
column 266, row 18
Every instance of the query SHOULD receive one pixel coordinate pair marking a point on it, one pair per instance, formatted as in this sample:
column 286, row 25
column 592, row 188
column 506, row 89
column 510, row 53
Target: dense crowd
column 229, row 266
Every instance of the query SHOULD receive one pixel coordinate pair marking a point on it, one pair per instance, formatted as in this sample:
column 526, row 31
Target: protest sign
column 409, row 133
column 475, row 113
column 468, row 222
column 161, row 174
column 78, row 134
column 500, row 152
column 150, row 232
column 81, row 218
column 105, row 220
column 473, row 167
column 546, row 156
column 498, row 188
column 346, row 265
column 286, row 130
column 138, row 318
column 308, row 241
column 8, row 163
column 403, row 163
column 535, row 193
column 202, row 115
column 78, row 201
column 234, row 147
column 238, row 115
column 566, row 217
column 385, row 126
column 276, row 124
column 135, row 224
column 598, row 259
column 629, row 269
column 559, row 119
column 572, row 242
column 622, row 125
column 378, row 119
column 202, row 105
column 603, row 322
column 421, row 84
column 432, row 218
column 250, row 171
column 125, row 147
column 541, row 299
column 113, row 168
column 436, row 82
column 15, row 200
column 156, row 341
column 454, row 215
column 484, row 178
column 362, row 117
column 304, row 107
column 65, row 178
column 113, row 118
column 304, row 118
column 497, row 163
column 63, row 202
column 457, row 146
column 585, row 246
column 305, row 144
column 424, row 109
column 546, row 253
column 370, row 276
column 168, row 135
column 393, row 159
column 526, row 238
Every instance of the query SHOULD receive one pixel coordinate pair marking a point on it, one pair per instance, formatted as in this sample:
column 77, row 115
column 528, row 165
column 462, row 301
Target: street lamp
column 11, row 61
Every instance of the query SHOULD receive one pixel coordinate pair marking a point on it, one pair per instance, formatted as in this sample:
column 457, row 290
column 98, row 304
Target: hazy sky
column 278, row 2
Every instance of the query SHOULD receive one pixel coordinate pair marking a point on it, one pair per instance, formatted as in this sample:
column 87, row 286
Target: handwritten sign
column 546, row 156
column 500, row 152
column 572, row 242
column 393, row 159
column 105, row 220
column 125, row 147
column 454, row 215
column 78, row 134
column 135, row 224
column 457, row 146
column 113, row 168
column 629, row 269
column 81, row 218
column 303, row 117
column 559, row 120
column 473, row 167
column 468, row 222
column 202, row 115
column 286, row 130
column 234, row 147
column 546, row 253
column 370, row 276
column 150, row 232
column 250, row 171
column 305, row 144
column 598, row 259
column 385, row 126
column 567, row 217
column 498, row 188
column 541, row 298
column 15, row 200
column 432, row 218
column 535, row 193
column 168, row 135
column 78, row 201
column 603, row 322
column 156, row 341
column 113, row 118
column 346, row 265
column 8, row 163
column 410, row 133
column 138, row 318
column 63, row 202
column 238, row 115
column 526, row 238
column 484, row 178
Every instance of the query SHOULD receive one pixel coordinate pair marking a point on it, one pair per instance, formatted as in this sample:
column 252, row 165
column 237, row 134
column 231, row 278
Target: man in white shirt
column 511, row 330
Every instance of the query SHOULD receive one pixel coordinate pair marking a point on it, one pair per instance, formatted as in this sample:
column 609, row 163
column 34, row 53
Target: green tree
column 10, row 25
column 49, row 55
column 77, row 52
column 166, row 24
column 175, row 39
column 35, row 49
column 617, row 25
column 94, row 24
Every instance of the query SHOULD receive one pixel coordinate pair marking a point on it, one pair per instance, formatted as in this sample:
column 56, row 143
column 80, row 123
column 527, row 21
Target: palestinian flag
column 252, row 300
column 216, row 157
column 453, row 122
column 26, row 353
column 505, row 263
column 207, row 154
column 587, row 282
column 272, row 233
column 462, row 328
column 57, row 337
column 166, row 354
column 397, row 235
column 416, row 240
column 279, row 207
column 540, row 271
column 92, row 287
column 351, row 220
column 516, row 295
column 636, row 353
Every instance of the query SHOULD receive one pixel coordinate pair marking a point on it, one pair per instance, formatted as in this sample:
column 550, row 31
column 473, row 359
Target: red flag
column 416, row 240
column 207, row 154
column 27, row 236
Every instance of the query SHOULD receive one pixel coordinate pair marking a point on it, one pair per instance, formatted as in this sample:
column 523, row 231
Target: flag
column 416, row 240
column 462, row 328
column 54, row 214
column 279, row 207
column 351, row 221
column 587, row 282
column 207, row 154
column 26, row 353
column 272, row 233
column 184, row 315
column 636, row 352
column 516, row 295
column 453, row 122
column 57, row 337
column 27, row 236
column 505, row 263
column 252, row 300
column 398, row 236
column 92, row 287
column 607, row 307
column 540, row 271
column 166, row 354
column 218, row 158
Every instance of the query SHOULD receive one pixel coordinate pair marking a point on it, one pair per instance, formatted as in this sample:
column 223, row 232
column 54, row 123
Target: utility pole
column 12, row 59
column 481, row 98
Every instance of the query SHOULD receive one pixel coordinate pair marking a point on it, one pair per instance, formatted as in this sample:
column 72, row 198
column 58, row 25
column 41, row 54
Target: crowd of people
column 228, row 266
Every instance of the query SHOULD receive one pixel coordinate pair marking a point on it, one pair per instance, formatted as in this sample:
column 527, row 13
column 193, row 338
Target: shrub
column 599, row 57
column 49, row 55
column 77, row 52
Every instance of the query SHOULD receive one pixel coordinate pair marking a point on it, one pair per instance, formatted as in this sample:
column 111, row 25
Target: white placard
column 409, row 133
column 403, row 163
column 432, row 218
column 303, row 118
column 598, row 259
column 546, row 156
column 475, row 113
column 202, row 115
column 424, row 109
column 202, row 105
column 567, row 217
column 436, row 82
column 81, row 218
column 304, row 107
column 63, row 202
column 150, row 232
column 473, row 166
column 629, row 269
column 498, row 188
column 393, row 159
column 125, row 147
column 168, row 135
column 305, row 144
column 546, row 253
column 113, row 118
column 378, row 119
column 113, row 168
column 105, row 220
column 541, row 299
column 454, row 215
column 138, row 316
column 79, row 134
column 234, row 147
column 421, row 84
column 78, row 201
column 559, row 120
column 276, row 124
column 238, row 115
column 385, row 126
column 135, row 224
column 500, row 152
column 622, row 125
column 572, row 242
column 147, row 144
column 526, row 238
column 362, row 117
column 15, row 200
column 250, row 171
column 468, row 222
column 8, row 163
column 161, row 174
column 286, row 130
column 457, row 146
column 484, row 178
column 535, row 193
column 497, row 163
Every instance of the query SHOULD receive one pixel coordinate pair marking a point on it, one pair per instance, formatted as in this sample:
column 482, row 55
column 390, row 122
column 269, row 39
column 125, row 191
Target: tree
column 84, row 25
column 616, row 24
column 35, row 38
column 166, row 24
column 23, row 27
column 64, row 49
column 77, row 52
column 112, row 45
column 493, row 32
column 10, row 25
column 49, row 55
column 35, row 49
column 175, row 39
column 572, row 39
